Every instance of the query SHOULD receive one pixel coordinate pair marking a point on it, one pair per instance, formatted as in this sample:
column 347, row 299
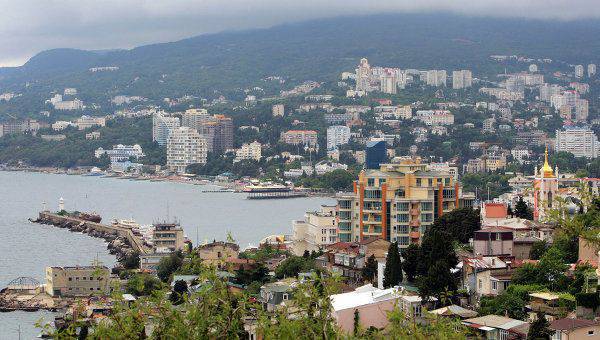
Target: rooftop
column 571, row 324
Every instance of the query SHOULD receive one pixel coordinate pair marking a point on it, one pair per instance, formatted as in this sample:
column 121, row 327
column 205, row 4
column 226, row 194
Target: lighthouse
column 61, row 204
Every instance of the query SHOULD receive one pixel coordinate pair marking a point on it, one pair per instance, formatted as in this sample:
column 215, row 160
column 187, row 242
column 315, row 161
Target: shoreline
column 230, row 187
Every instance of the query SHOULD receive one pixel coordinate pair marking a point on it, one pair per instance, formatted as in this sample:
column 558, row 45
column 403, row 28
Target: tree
column 392, row 274
column 552, row 268
column 539, row 329
column 526, row 274
column 435, row 266
column 168, row 265
column 356, row 329
column 370, row 269
column 522, row 210
column 143, row 284
column 180, row 288
column 538, row 249
column 293, row 265
column 459, row 224
column 411, row 256
column 132, row 261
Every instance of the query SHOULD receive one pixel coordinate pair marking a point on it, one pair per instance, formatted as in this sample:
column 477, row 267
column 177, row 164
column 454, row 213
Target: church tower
column 545, row 187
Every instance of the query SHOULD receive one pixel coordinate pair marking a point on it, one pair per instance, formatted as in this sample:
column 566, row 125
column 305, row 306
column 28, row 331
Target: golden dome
column 547, row 169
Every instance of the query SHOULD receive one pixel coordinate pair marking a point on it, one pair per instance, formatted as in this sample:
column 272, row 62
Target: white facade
column 69, row 105
column 436, row 78
column 388, row 83
column 69, row 91
column 579, row 71
column 61, row 125
column 435, row 117
column 581, row 142
column 278, row 110
column 337, row 135
column 121, row 153
column 185, row 146
column 86, row 122
column 591, row 70
column 462, row 79
column 251, row 151
column 162, row 127
column 317, row 230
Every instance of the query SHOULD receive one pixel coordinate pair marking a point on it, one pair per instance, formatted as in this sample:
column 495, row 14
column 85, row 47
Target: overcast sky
column 30, row 26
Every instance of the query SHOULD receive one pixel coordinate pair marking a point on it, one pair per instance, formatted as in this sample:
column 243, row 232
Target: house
column 217, row 252
column 495, row 327
column 272, row 295
column 372, row 305
column 493, row 212
column 574, row 329
column 493, row 241
column 547, row 303
column 485, row 275
column 454, row 311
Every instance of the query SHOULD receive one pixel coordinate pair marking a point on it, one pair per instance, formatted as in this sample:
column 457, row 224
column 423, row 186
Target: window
column 402, row 217
column 494, row 285
column 426, row 206
column 430, row 182
column 402, row 206
column 400, row 192
column 70, row 279
column 381, row 181
column 403, row 240
column 370, row 182
column 480, row 284
column 418, row 182
column 285, row 297
column 590, row 333
column 403, row 229
column 417, row 311
column 427, row 217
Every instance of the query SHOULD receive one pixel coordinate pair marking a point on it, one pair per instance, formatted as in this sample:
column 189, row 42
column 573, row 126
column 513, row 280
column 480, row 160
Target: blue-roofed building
column 375, row 154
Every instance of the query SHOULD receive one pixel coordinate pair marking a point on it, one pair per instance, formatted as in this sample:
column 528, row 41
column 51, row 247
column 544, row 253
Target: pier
column 119, row 238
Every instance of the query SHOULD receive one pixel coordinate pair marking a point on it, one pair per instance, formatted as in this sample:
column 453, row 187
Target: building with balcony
column 397, row 202
column 168, row 235
column 317, row 230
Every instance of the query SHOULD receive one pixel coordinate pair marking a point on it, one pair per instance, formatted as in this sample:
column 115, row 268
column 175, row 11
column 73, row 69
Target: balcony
column 414, row 212
column 415, row 223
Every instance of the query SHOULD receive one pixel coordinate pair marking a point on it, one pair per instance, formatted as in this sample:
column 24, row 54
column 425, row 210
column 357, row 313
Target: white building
column 388, row 83
column 162, row 127
column 317, row 230
column 579, row 71
column 533, row 68
column 61, row 125
column 591, row 70
column 337, row 135
column 436, row 78
column 185, row 146
column 121, row 153
column 521, row 154
column 462, row 79
column 363, row 76
column 86, row 122
column 435, row 117
column 549, row 90
column 580, row 141
column 251, row 151
column 194, row 118
column 69, row 105
column 69, row 91
column 278, row 110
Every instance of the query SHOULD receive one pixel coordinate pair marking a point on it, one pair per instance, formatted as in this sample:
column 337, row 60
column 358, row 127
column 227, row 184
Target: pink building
column 493, row 241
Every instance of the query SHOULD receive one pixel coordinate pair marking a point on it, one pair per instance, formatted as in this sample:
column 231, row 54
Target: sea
column 27, row 248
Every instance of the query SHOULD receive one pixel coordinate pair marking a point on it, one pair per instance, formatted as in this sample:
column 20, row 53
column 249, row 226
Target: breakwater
column 121, row 241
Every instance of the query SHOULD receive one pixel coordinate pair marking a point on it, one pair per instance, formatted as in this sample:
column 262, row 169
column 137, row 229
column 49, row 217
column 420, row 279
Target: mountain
column 313, row 50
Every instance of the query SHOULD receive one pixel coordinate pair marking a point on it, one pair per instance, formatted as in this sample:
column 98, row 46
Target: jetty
column 121, row 241
column 257, row 192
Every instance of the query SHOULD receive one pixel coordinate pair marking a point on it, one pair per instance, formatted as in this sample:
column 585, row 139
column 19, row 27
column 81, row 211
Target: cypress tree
column 392, row 275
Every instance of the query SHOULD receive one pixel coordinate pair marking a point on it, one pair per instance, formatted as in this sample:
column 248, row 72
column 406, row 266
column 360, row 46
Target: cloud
column 29, row 26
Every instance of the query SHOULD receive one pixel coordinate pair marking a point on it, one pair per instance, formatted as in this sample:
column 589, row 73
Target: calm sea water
column 27, row 248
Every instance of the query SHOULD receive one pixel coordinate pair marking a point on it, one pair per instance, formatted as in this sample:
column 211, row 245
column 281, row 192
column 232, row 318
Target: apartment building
column 300, row 137
column 194, row 118
column 462, row 79
column 185, row 146
column 278, row 110
column 162, row 126
column 435, row 117
column 579, row 71
column 580, row 141
column 397, row 202
column 121, row 153
column 337, row 135
column 317, row 230
column 77, row 281
column 168, row 235
column 249, row 151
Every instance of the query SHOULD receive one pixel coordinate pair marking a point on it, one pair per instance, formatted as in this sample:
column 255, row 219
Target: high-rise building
column 579, row 71
column 375, row 154
column 337, row 135
column 297, row 137
column 223, row 140
column 549, row 90
column 363, row 76
column 436, row 78
column 194, row 118
column 250, row 151
column 581, row 110
column 162, row 127
column 397, row 202
column 388, row 83
column 278, row 110
column 580, row 141
column 462, row 79
column 185, row 146
column 591, row 70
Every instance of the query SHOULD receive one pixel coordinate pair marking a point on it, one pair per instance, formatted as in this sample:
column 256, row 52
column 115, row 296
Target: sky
column 30, row 26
